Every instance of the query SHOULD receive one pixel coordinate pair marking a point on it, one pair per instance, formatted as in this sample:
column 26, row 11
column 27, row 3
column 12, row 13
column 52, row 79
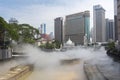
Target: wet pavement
column 7, row 64
column 111, row 71
column 71, row 71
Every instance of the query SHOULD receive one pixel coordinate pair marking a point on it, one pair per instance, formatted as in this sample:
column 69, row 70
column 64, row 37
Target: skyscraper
column 13, row 21
column 115, row 20
column 42, row 29
column 99, row 24
column 58, row 30
column 118, row 19
column 110, row 30
column 77, row 26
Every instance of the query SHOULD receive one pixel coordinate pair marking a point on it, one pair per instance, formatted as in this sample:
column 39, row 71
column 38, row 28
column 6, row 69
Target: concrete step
column 93, row 73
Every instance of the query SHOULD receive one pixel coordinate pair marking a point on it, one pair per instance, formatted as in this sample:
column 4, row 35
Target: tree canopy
column 24, row 32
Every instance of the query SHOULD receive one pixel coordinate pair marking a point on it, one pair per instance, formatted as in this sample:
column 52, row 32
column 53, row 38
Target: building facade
column 42, row 28
column 110, row 30
column 115, row 20
column 118, row 19
column 77, row 26
column 58, row 30
column 13, row 21
column 99, row 24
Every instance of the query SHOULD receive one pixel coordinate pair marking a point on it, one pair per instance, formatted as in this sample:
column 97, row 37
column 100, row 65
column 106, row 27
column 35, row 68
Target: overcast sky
column 36, row 12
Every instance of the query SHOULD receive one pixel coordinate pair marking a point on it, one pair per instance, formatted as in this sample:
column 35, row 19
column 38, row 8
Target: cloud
column 42, row 11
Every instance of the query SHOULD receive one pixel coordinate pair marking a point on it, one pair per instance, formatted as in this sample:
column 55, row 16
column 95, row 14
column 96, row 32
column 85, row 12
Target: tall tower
column 77, row 26
column 118, row 19
column 99, row 24
column 43, row 28
column 58, row 30
column 110, row 30
column 115, row 20
column 13, row 21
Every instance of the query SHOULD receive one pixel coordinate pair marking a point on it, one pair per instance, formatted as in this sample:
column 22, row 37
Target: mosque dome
column 69, row 42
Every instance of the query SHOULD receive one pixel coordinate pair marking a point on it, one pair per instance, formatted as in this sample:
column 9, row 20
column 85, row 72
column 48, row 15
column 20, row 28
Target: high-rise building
column 115, row 20
column 13, row 20
column 58, row 30
column 42, row 29
column 77, row 26
column 99, row 24
column 118, row 19
column 110, row 30
column 51, row 36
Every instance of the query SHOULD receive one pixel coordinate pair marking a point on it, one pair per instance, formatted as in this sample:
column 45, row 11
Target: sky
column 36, row 12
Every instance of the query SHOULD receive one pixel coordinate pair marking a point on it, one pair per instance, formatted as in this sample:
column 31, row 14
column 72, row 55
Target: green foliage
column 110, row 46
column 57, row 44
column 28, row 33
column 47, row 46
column 112, row 50
column 42, row 46
column 3, row 26
column 13, row 31
column 3, row 23
column 28, row 40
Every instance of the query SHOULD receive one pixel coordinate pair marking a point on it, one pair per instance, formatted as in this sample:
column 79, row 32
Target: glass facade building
column 110, row 30
column 77, row 26
column 99, row 24
column 87, row 28
column 58, row 30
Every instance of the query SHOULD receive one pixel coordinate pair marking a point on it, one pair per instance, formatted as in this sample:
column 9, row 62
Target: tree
column 17, row 32
column 13, row 31
column 9, row 30
column 3, row 23
column 28, row 33
column 57, row 44
column 49, row 45
column 2, row 28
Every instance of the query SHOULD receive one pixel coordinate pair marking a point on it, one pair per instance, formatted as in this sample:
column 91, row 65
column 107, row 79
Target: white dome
column 69, row 42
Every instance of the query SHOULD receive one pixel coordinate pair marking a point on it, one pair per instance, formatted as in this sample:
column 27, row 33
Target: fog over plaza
column 47, row 65
column 59, row 40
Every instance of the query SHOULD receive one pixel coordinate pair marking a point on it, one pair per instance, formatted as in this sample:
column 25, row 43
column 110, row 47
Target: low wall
column 5, row 54
column 16, row 73
column 93, row 73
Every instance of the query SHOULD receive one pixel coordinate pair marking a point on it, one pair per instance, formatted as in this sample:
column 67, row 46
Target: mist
column 47, row 65
column 41, row 58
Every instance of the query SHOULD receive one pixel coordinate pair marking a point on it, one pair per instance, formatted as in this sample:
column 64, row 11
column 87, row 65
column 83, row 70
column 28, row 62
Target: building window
column 118, row 13
column 118, row 6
